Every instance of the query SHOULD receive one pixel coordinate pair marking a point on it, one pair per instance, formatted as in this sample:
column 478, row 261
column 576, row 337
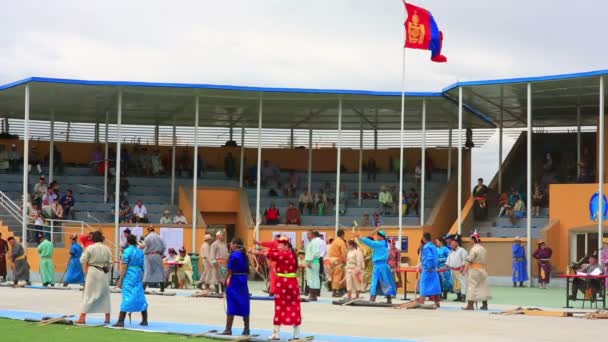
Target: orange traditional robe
column 337, row 259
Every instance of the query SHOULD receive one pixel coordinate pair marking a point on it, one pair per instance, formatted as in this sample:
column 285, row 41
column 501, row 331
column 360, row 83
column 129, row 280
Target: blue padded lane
column 185, row 328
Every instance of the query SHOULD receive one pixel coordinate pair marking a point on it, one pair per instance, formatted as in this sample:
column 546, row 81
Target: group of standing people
column 215, row 258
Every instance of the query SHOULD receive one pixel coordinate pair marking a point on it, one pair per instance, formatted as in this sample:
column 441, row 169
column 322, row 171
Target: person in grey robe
column 154, row 249
column 218, row 257
column 208, row 273
column 22, row 268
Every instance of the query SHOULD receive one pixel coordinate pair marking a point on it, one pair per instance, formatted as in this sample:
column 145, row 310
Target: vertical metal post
column 338, row 165
column 459, row 160
column 67, row 134
column 529, row 185
column 195, row 175
column 117, row 176
column 52, row 147
column 173, row 152
column 105, row 161
column 601, row 168
column 258, row 216
column 578, row 141
column 26, row 153
column 450, row 152
column 500, row 142
column 399, row 199
column 291, row 137
column 242, row 163
column 423, row 164
column 360, row 197
column 310, row 162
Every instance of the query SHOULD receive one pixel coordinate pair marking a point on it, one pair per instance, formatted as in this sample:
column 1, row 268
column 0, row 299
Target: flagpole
column 400, row 194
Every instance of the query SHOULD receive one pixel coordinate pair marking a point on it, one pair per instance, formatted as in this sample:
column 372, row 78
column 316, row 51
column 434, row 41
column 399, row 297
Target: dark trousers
column 579, row 284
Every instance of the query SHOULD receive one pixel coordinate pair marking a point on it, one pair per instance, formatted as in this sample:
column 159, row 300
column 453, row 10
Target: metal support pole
column 399, row 199
column 601, row 167
column 338, row 168
column 52, row 147
column 529, row 184
column 310, row 162
column 105, row 161
column 423, row 163
column 258, row 217
column 450, row 153
column 242, row 163
column 156, row 135
column 291, row 137
column 360, row 185
column 459, row 160
column 117, row 176
column 67, row 134
column 500, row 138
column 578, row 141
column 173, row 152
column 26, row 153
column 195, row 175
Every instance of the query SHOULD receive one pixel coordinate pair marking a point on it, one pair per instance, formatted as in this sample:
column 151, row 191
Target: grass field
column 20, row 331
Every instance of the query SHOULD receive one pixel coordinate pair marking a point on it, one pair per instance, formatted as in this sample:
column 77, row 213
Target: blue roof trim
column 15, row 84
column 526, row 79
column 472, row 110
column 222, row 87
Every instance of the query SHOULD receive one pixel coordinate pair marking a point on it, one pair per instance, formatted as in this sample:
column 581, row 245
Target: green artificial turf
column 20, row 331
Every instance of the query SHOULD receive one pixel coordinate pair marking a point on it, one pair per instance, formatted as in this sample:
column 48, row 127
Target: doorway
column 584, row 244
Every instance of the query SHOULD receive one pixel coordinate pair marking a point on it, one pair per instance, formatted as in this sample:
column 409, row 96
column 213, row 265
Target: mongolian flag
column 422, row 32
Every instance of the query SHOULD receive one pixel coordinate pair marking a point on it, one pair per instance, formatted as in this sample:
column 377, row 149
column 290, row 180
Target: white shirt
column 322, row 247
column 456, row 258
column 140, row 212
column 180, row 219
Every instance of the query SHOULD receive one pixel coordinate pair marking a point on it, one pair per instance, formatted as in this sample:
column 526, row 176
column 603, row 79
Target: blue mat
column 185, row 328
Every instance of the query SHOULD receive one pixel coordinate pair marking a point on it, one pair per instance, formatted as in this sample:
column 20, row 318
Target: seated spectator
column 343, row 200
column 40, row 189
column 320, row 202
column 371, row 169
column 67, row 203
column 179, row 218
column 272, row 215
column 386, row 201
column 376, row 222
column 305, row 201
column 34, row 160
column 519, row 210
column 229, row 166
column 49, row 198
column 292, row 184
column 413, row 201
column 125, row 213
column 503, row 204
column 480, row 196
column 14, row 158
column 184, row 270
column 57, row 210
column 140, row 213
column 170, row 262
column 4, row 164
column 55, row 187
column 365, row 221
column 538, row 200
column 292, row 216
column 166, row 218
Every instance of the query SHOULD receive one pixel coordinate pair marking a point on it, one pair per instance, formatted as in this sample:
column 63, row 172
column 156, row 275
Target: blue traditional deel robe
column 74, row 274
column 237, row 291
column 520, row 271
column 382, row 274
column 133, row 298
column 429, row 278
column 445, row 278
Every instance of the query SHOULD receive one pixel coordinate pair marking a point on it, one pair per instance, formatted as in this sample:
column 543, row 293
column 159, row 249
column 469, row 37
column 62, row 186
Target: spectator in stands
column 538, row 200
column 33, row 214
column 371, row 169
column 343, row 200
column 166, row 218
column 40, row 189
column 140, row 213
column 503, row 204
column 49, row 197
column 386, row 200
column 57, row 160
column 320, row 202
column 292, row 216
column 376, row 222
column 184, row 163
column 305, row 201
column 125, row 213
column 413, row 201
column 34, row 160
column 67, row 203
column 519, row 210
column 156, row 163
column 292, row 184
column 429, row 166
column 14, row 158
column 229, row 166
column 57, row 210
column 480, row 196
column 418, row 172
column 272, row 215
column 179, row 218
column 55, row 187
column 4, row 164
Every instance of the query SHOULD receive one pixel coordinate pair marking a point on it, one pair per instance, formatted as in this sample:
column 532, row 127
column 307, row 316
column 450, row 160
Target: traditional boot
column 469, row 306
column 458, row 297
column 484, row 305
column 107, row 319
column 444, row 295
column 162, row 286
column 144, row 318
column 296, row 332
column 276, row 332
column 121, row 320
column 217, row 288
column 521, row 284
column 372, row 299
column 246, row 328
column 82, row 319
column 389, row 300
column 464, row 298
column 228, row 330
column 514, row 284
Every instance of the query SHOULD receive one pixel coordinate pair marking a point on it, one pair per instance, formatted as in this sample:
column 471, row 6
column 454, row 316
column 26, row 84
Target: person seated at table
column 589, row 287
column 184, row 270
column 170, row 262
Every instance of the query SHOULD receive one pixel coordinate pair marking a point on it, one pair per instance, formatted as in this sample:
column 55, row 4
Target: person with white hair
column 218, row 257
column 477, row 275
column 208, row 274
column 154, row 249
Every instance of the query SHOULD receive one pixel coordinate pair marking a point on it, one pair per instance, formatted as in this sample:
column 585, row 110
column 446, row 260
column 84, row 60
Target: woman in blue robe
column 74, row 273
column 429, row 279
column 237, row 291
column 520, row 268
column 445, row 277
column 131, row 282
column 383, row 280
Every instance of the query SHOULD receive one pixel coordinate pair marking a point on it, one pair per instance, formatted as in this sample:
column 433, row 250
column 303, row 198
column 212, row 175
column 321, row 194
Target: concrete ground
column 324, row 318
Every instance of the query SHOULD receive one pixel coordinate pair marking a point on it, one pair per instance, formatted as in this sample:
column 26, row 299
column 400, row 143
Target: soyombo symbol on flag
column 422, row 32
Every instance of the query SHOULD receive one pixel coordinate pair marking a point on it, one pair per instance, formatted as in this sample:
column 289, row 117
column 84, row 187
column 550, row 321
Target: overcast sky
column 353, row 44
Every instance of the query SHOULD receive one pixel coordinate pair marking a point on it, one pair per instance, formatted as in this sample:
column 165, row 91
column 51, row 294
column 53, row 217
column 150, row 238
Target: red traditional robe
column 271, row 245
column 287, row 309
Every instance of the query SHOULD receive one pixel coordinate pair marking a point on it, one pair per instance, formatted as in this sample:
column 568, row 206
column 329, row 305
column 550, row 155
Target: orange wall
column 499, row 255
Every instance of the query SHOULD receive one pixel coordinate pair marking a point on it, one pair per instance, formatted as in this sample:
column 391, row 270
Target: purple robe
column 544, row 267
